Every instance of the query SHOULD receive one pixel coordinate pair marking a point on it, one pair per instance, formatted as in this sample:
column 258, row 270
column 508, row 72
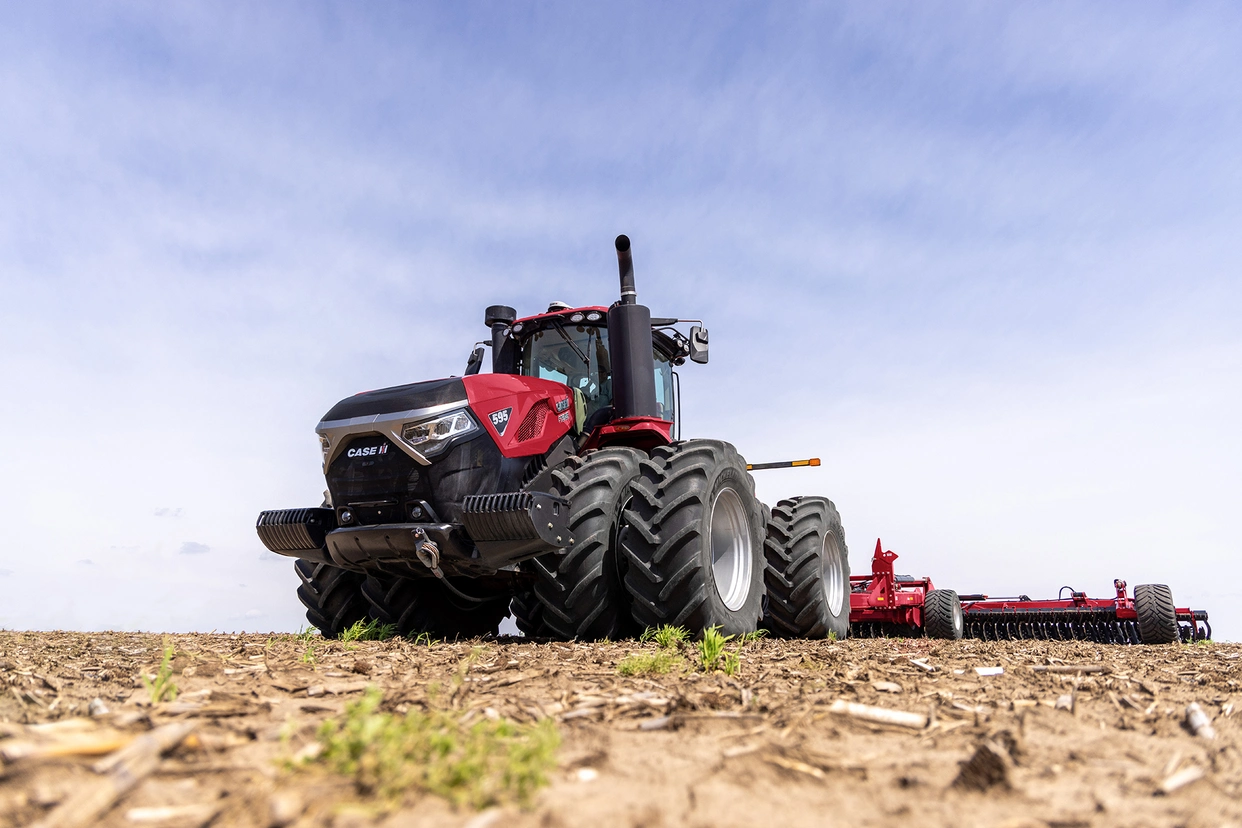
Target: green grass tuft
column 667, row 637
column 661, row 661
column 482, row 764
column 369, row 630
column 712, row 647
column 751, row 637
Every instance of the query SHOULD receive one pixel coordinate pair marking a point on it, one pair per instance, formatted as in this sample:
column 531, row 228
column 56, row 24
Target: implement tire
column 580, row 588
column 332, row 596
column 808, row 570
column 1157, row 616
column 423, row 605
column 693, row 540
column 942, row 615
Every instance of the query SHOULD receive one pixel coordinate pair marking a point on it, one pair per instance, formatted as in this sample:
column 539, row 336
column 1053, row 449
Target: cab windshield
column 577, row 356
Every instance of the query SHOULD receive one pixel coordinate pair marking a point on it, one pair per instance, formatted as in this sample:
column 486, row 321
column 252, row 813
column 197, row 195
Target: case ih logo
column 562, row 405
column 500, row 419
column 369, row 451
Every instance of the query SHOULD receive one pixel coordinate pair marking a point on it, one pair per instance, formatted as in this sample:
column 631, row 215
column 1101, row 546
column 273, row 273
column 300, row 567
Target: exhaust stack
column 630, row 347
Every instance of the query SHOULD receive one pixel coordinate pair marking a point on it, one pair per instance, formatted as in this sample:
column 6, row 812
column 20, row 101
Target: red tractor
column 556, row 488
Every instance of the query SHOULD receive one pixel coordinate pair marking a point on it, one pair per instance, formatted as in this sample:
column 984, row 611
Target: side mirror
column 475, row 362
column 698, row 344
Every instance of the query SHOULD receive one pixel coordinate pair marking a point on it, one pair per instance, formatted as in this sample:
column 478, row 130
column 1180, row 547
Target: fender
column 523, row 415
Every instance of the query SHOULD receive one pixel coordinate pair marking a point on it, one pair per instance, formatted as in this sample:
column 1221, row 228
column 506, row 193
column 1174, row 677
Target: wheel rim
column 732, row 557
column 959, row 622
column 833, row 574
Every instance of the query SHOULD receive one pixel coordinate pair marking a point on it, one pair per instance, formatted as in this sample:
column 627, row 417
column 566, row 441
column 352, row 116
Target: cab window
column 576, row 356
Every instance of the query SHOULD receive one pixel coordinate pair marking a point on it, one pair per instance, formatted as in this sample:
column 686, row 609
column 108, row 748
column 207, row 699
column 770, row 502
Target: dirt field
column 764, row 747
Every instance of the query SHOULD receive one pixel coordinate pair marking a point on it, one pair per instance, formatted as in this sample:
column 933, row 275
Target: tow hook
column 428, row 554
column 427, row 551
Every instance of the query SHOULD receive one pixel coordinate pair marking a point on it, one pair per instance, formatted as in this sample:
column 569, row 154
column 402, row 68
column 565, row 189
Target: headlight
column 431, row 436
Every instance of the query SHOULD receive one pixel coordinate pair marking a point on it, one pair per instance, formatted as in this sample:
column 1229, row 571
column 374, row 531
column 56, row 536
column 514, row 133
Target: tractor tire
column 527, row 613
column 580, row 589
column 423, row 605
column 693, row 540
column 808, row 571
column 332, row 596
column 942, row 615
column 1157, row 616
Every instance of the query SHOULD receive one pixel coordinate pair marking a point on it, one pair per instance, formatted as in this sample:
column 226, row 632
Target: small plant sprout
column 666, row 637
column 369, row 630
column 712, row 647
column 752, row 637
column 730, row 662
column 425, row 640
column 161, row 686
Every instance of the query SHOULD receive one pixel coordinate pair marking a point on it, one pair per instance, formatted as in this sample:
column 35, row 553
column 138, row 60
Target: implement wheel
column 1157, row 617
column 579, row 589
column 942, row 615
column 808, row 570
column 423, row 605
column 332, row 596
column 693, row 540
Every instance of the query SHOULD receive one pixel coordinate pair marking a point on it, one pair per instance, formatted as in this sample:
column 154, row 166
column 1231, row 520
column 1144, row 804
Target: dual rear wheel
column 693, row 540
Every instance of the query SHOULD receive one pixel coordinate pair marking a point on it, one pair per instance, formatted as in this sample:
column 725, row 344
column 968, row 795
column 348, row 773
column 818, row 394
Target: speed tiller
column 1150, row 617
column 884, row 604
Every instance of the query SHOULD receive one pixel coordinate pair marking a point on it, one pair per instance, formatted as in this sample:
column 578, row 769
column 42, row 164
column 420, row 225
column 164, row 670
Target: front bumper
column 497, row 532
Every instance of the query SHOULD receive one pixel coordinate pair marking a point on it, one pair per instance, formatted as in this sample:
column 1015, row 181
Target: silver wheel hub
column 732, row 555
column 833, row 574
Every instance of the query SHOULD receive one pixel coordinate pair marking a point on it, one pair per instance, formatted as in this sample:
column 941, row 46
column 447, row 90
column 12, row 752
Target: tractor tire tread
column 578, row 593
column 797, row 605
column 332, row 596
column 421, row 605
column 662, row 537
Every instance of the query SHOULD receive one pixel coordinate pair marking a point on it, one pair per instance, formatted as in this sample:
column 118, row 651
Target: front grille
column 532, row 424
column 378, row 483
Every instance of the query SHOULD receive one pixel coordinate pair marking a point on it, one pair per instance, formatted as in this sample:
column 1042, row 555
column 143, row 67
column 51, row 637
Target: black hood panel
column 399, row 398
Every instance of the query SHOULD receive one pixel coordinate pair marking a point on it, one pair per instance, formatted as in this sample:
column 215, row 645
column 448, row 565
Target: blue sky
column 982, row 259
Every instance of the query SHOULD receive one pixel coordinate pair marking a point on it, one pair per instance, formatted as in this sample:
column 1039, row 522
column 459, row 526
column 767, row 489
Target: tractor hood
column 399, row 398
column 523, row 416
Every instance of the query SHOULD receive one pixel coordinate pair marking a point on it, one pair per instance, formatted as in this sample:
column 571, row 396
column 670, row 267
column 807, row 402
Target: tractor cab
column 570, row 346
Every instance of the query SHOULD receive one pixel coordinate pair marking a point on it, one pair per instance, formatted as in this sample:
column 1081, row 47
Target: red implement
column 883, row 603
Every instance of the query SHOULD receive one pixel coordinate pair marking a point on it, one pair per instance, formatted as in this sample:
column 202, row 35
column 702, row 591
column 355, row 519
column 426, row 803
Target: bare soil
column 686, row 748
